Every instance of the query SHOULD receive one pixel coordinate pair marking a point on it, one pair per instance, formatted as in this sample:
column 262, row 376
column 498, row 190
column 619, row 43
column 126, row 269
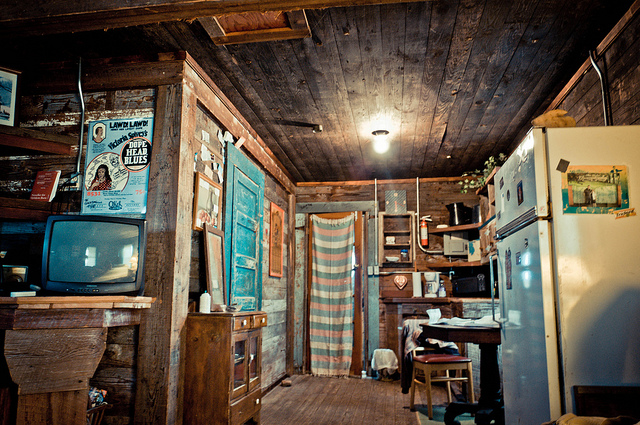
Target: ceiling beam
column 38, row 17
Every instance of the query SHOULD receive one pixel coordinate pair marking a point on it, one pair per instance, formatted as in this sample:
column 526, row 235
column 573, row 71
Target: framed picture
column 8, row 96
column 214, row 259
column 207, row 201
column 276, row 241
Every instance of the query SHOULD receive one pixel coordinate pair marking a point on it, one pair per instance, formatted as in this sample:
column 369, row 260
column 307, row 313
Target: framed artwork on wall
column 276, row 241
column 8, row 96
column 207, row 203
column 214, row 260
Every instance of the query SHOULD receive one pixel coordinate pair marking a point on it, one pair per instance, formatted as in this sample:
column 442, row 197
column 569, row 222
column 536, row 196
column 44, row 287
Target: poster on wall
column 116, row 173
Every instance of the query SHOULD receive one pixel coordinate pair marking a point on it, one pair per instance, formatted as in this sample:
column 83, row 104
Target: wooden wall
column 618, row 56
column 59, row 113
column 274, row 291
column 142, row 367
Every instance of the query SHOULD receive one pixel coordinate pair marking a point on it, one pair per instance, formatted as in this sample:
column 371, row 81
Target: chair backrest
column 95, row 414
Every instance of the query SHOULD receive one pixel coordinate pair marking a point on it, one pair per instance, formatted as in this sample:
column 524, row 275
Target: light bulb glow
column 380, row 141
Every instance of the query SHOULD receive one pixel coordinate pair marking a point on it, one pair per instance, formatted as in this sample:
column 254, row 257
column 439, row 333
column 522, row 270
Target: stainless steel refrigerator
column 568, row 265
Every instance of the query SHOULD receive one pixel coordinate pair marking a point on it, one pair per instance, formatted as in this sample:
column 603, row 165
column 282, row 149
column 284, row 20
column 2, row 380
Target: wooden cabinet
column 223, row 368
column 396, row 237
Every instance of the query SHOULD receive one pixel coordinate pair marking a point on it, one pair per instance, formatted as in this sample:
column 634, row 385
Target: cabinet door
column 254, row 360
column 240, row 364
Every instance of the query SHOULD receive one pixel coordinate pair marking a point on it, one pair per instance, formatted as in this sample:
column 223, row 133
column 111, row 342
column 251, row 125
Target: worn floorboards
column 341, row 401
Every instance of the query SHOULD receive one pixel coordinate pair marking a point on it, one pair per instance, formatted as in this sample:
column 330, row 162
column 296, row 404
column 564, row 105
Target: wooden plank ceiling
column 453, row 81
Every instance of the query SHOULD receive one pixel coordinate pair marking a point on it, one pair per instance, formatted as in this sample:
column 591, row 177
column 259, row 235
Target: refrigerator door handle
column 500, row 320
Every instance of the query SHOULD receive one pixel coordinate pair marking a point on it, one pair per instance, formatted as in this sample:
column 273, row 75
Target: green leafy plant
column 477, row 178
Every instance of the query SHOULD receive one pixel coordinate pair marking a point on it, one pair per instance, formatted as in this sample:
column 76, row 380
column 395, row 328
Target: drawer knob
column 257, row 401
column 244, row 323
column 264, row 319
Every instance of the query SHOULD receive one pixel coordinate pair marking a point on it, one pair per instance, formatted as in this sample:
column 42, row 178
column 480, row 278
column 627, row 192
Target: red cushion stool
column 425, row 364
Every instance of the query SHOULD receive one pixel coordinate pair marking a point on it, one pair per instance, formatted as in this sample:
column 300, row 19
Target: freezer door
column 529, row 342
column 597, row 262
column 521, row 185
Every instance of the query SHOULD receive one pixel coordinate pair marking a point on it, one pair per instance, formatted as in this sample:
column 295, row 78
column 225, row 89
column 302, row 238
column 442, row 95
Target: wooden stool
column 428, row 363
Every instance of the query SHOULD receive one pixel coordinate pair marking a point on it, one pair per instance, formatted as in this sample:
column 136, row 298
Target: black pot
column 459, row 214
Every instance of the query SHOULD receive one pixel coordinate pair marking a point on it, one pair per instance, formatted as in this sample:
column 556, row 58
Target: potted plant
column 477, row 178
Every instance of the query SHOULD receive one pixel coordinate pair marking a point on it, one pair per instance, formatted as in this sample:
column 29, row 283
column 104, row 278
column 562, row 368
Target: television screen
column 93, row 255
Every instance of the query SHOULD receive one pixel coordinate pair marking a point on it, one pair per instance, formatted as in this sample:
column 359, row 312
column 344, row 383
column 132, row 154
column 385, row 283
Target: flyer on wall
column 116, row 174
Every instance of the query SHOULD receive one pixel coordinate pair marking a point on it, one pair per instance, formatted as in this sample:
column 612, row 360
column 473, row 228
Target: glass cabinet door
column 239, row 365
column 254, row 360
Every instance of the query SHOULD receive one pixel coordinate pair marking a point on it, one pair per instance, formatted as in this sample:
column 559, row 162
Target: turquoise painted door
column 243, row 230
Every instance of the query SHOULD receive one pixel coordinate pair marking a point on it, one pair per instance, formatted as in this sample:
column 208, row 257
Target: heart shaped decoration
column 400, row 281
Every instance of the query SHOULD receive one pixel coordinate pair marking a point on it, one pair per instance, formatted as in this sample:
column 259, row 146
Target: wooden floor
column 312, row 400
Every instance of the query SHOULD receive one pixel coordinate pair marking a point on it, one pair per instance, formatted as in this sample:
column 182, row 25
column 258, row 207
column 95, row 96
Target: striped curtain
column 331, row 310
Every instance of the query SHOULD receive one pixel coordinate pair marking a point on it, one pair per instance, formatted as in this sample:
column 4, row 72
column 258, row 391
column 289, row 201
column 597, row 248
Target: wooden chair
column 95, row 414
column 425, row 364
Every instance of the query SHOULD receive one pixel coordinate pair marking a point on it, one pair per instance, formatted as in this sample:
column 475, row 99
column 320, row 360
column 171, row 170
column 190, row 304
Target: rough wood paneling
column 275, row 291
column 618, row 56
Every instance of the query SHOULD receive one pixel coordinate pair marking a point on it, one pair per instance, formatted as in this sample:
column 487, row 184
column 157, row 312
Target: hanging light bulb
column 380, row 141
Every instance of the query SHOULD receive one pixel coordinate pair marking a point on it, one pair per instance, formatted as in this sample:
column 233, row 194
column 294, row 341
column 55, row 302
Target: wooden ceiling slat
column 323, row 112
column 520, row 75
column 35, row 17
column 442, row 25
column 506, row 44
column 325, row 156
column 392, row 30
column 266, row 81
column 326, row 79
column 346, row 37
column 480, row 71
column 417, row 29
column 467, row 24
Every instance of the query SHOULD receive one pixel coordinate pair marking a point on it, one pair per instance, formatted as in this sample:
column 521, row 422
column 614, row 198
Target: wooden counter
column 52, row 347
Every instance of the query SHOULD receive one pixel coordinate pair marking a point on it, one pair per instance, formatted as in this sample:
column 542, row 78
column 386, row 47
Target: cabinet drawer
column 242, row 322
column 259, row 321
column 246, row 407
column 409, row 309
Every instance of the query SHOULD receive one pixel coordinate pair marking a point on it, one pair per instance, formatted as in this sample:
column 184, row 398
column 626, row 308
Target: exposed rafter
column 36, row 17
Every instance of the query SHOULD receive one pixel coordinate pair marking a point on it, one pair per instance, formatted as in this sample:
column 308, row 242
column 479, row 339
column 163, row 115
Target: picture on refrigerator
column 594, row 189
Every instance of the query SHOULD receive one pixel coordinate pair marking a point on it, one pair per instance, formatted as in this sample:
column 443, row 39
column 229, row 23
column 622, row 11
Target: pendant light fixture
column 380, row 141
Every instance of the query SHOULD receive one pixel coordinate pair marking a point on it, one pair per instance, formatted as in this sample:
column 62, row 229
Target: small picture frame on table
column 276, row 241
column 207, row 203
column 8, row 96
column 214, row 260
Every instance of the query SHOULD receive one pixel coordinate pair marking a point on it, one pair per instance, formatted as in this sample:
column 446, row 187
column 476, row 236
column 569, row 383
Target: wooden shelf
column 460, row 228
column 25, row 209
column 38, row 141
column 446, row 264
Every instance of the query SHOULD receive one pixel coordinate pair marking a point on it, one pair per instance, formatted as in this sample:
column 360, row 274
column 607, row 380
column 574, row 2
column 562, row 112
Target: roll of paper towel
column 417, row 285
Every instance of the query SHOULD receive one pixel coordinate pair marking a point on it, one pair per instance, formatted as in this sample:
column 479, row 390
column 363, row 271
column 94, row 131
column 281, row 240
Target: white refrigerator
column 568, row 265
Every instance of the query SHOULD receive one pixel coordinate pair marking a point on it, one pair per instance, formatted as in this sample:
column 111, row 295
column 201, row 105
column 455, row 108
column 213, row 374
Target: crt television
column 93, row 255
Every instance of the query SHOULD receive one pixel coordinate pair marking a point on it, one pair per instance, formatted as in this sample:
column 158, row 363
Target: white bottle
column 442, row 292
column 205, row 302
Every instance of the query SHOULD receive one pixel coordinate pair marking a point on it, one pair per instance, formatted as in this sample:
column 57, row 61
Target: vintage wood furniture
column 490, row 407
column 223, row 368
column 425, row 364
column 51, row 347
column 400, row 229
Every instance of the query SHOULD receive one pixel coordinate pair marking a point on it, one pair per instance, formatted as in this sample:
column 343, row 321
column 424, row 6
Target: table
column 490, row 406
column 51, row 347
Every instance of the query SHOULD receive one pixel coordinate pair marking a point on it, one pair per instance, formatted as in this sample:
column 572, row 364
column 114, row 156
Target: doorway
column 340, row 340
